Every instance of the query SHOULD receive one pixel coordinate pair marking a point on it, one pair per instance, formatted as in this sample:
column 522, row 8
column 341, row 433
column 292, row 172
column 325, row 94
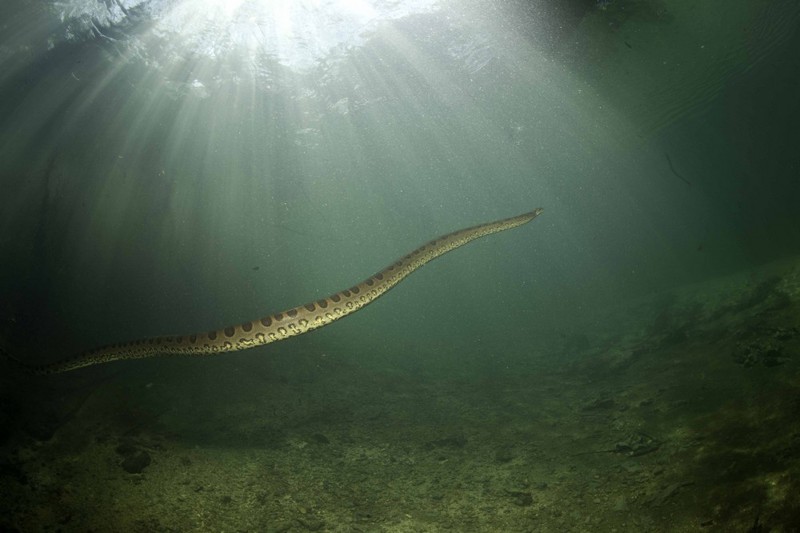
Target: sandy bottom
column 684, row 419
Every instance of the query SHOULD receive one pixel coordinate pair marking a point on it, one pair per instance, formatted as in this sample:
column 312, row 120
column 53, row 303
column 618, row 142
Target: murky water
column 626, row 362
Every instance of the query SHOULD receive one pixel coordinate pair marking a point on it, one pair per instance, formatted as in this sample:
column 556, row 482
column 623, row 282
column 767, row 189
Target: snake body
column 289, row 323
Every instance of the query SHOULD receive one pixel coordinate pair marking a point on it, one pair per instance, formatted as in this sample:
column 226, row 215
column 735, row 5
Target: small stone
column 523, row 499
column 620, row 504
column 504, row 454
column 319, row 438
column 455, row 441
column 279, row 527
column 600, row 403
column 311, row 524
column 136, row 462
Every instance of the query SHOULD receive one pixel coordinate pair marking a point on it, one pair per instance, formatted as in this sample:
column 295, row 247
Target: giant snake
column 285, row 324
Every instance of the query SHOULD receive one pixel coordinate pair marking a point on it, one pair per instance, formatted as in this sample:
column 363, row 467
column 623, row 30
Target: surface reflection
column 297, row 34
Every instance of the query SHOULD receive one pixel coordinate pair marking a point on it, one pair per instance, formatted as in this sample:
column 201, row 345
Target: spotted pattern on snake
column 289, row 323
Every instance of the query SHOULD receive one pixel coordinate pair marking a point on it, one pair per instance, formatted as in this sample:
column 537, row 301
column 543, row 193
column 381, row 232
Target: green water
column 171, row 169
column 156, row 185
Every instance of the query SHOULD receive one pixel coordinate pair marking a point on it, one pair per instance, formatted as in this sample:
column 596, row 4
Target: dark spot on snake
column 355, row 290
column 322, row 303
column 310, row 306
column 179, row 339
column 266, row 321
column 192, row 338
column 379, row 276
column 336, row 297
column 229, row 331
column 346, row 293
column 292, row 313
column 278, row 316
column 212, row 335
column 247, row 326
column 370, row 282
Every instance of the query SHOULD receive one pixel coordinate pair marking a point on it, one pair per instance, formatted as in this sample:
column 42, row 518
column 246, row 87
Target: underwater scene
column 400, row 266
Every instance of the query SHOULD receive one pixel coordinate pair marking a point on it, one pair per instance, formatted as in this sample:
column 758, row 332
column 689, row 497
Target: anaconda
column 286, row 324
